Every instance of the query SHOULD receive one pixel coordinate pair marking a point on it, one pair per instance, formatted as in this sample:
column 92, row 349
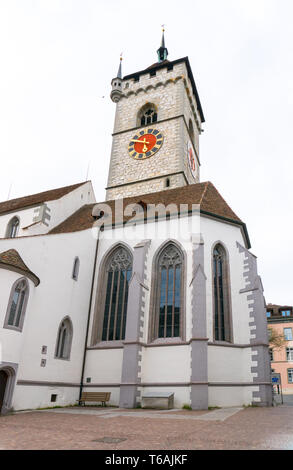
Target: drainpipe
column 89, row 314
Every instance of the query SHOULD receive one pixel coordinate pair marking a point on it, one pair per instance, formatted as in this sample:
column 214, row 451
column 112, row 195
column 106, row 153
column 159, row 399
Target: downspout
column 89, row 315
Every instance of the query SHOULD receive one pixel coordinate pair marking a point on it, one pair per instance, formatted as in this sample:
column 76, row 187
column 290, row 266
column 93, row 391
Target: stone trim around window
column 155, row 295
column 12, row 227
column 69, row 337
column 227, row 286
column 99, row 307
column 23, row 310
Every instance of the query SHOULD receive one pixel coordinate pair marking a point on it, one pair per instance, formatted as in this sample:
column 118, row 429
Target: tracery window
column 147, row 115
column 168, row 292
column 64, row 339
column 17, row 305
column 12, row 228
column 222, row 327
column 118, row 275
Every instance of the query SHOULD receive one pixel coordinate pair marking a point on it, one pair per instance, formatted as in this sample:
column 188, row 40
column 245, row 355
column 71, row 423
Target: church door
column 3, row 382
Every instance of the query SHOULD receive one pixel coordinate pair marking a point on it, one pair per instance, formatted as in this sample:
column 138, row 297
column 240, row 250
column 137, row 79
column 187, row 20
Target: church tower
column 156, row 131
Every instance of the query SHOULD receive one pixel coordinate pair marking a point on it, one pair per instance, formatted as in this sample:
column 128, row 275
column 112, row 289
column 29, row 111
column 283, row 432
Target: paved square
column 113, row 428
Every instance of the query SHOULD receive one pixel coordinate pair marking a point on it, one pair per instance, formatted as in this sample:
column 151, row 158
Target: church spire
column 162, row 51
column 119, row 74
column 116, row 83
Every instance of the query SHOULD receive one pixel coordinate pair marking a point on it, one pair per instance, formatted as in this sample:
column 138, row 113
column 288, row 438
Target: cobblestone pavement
column 112, row 428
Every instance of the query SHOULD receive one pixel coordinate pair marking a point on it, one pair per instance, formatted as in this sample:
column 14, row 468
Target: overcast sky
column 57, row 59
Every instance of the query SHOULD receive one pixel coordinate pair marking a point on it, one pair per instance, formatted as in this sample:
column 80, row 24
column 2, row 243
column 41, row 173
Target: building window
column 75, row 269
column 289, row 354
column 17, row 305
column 147, row 115
column 64, row 339
column 288, row 334
column 12, row 228
column 222, row 326
column 290, row 376
column 168, row 288
column 285, row 313
column 191, row 131
column 269, row 314
column 271, row 354
column 117, row 277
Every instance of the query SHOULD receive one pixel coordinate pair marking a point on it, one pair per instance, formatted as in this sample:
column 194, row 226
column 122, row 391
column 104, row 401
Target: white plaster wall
column 227, row 364
column 230, row 396
column 33, row 397
column 104, row 366
column 11, row 341
column 166, row 364
column 51, row 258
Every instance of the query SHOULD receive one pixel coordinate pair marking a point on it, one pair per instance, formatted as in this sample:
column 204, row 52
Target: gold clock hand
column 140, row 141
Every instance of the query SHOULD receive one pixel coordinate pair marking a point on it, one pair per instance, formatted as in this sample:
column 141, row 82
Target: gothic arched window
column 12, row 228
column 168, row 288
column 64, row 339
column 117, row 275
column 147, row 115
column 222, row 327
column 17, row 305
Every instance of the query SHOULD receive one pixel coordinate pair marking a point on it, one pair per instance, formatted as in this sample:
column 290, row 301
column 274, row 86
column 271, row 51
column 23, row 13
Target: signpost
column 276, row 381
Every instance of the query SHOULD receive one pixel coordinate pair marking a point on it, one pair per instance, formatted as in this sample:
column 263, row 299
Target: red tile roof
column 11, row 259
column 205, row 194
column 34, row 199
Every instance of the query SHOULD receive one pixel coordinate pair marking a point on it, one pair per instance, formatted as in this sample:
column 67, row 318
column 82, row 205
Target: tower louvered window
column 148, row 115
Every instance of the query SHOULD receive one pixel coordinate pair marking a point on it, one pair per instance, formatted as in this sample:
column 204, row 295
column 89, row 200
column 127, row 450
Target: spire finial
column 162, row 51
column 119, row 74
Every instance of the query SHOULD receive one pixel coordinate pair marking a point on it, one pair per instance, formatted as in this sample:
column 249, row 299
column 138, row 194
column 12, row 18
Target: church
column 152, row 291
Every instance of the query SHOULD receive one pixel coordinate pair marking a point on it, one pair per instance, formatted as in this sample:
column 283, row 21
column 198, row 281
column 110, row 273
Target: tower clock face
column 145, row 143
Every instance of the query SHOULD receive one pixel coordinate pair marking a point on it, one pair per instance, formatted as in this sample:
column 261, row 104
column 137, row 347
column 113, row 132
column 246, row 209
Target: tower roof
column 162, row 51
column 119, row 74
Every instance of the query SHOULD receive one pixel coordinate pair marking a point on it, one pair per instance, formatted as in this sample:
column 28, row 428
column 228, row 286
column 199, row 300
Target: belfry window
column 118, row 275
column 168, row 293
column 64, row 339
column 12, row 228
column 222, row 327
column 191, row 131
column 17, row 305
column 148, row 115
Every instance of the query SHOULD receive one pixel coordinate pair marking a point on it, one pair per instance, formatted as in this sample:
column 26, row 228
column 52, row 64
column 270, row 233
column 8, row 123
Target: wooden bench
column 94, row 397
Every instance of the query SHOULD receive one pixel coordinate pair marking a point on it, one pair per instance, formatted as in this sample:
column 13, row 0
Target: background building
column 280, row 320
